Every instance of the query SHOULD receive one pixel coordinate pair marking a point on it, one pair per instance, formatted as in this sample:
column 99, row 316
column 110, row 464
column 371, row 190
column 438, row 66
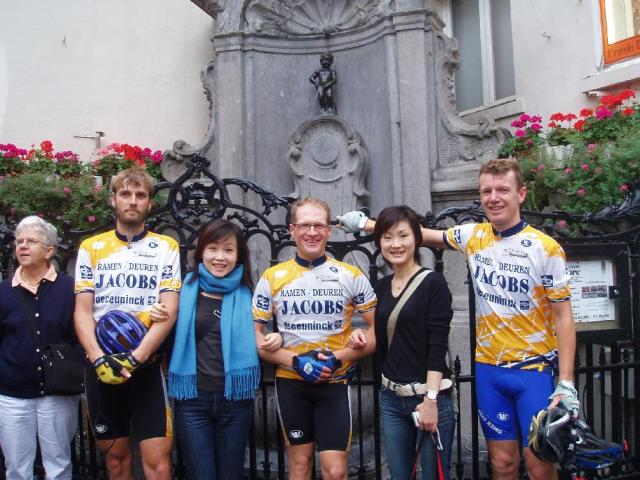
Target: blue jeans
column 401, row 435
column 212, row 435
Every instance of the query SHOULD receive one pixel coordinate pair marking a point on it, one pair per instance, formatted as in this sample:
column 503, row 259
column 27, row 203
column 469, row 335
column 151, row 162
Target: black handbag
column 63, row 364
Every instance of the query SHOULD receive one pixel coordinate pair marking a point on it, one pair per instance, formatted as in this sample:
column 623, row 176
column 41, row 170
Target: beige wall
column 130, row 68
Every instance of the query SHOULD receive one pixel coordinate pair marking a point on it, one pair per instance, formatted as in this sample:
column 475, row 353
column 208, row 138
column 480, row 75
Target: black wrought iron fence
column 607, row 374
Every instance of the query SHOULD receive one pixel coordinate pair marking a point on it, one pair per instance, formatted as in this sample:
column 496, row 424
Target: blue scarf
column 239, row 355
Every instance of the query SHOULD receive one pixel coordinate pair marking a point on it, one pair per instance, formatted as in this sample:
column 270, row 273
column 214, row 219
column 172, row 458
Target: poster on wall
column 599, row 282
column 590, row 281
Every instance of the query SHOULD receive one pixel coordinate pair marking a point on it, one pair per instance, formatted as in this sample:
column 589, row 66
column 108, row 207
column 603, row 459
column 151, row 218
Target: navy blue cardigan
column 21, row 374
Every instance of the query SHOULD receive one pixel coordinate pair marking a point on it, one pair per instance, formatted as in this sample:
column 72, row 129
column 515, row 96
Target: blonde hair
column 502, row 166
column 309, row 201
column 133, row 176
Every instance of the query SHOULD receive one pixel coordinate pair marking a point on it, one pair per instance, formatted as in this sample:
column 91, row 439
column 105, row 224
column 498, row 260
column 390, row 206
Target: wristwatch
column 432, row 395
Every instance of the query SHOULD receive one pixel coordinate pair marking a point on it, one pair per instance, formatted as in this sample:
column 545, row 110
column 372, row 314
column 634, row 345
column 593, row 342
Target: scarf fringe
column 183, row 386
column 241, row 384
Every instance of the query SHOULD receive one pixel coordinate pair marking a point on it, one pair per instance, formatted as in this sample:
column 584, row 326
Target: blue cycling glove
column 310, row 367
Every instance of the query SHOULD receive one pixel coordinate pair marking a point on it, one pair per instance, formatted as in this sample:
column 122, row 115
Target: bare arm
column 280, row 356
column 349, row 353
column 566, row 338
column 158, row 330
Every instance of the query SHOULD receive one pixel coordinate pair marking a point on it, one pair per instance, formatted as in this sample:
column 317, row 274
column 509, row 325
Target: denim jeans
column 212, row 435
column 401, row 435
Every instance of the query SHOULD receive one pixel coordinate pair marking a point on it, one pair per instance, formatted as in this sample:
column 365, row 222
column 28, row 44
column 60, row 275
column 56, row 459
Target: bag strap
column 31, row 319
column 393, row 318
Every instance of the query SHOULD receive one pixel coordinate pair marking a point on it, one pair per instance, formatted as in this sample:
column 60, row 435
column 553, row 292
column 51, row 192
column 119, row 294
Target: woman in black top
column 415, row 377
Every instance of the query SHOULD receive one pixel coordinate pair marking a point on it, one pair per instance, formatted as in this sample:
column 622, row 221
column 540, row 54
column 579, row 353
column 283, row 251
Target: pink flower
column 591, row 147
column 541, row 167
column 598, row 170
column 568, row 170
column 517, row 124
column 536, row 119
column 66, row 190
column 581, row 192
column 91, row 218
column 562, row 224
column 524, row 117
column 529, row 141
column 536, row 127
column 624, row 188
column 603, row 112
column 520, row 133
column 585, row 167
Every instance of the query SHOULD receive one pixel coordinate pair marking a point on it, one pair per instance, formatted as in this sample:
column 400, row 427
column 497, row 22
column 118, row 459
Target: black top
column 421, row 335
column 209, row 362
column 21, row 373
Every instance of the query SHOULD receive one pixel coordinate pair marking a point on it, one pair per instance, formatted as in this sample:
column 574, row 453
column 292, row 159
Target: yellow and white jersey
column 127, row 276
column 313, row 305
column 516, row 274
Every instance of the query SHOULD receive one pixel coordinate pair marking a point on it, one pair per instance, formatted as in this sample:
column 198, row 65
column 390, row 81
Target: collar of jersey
column 135, row 238
column 310, row 263
column 509, row 232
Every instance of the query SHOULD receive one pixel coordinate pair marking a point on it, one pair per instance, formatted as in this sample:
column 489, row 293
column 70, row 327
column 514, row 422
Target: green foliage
column 57, row 200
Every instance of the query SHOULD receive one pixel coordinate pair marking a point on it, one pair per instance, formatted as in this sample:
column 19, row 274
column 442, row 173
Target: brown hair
column 502, row 166
column 133, row 176
column 217, row 230
column 309, row 201
column 391, row 216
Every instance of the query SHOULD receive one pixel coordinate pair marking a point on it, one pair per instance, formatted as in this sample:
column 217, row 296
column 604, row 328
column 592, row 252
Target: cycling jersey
column 516, row 275
column 313, row 304
column 127, row 276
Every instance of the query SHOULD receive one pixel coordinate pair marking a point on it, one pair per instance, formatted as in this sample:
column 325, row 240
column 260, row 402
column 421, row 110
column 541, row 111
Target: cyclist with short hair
column 312, row 298
column 120, row 276
column 524, row 322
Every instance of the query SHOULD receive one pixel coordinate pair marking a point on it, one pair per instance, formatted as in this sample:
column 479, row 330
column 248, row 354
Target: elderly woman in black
column 29, row 417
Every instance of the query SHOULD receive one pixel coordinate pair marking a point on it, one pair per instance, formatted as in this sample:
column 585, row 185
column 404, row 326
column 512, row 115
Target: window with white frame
column 620, row 21
column 483, row 31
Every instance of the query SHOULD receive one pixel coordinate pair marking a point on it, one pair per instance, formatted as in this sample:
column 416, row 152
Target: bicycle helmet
column 555, row 436
column 592, row 452
column 550, row 434
column 119, row 332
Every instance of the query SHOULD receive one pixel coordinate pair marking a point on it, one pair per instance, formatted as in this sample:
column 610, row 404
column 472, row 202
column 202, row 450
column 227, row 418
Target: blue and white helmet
column 119, row 332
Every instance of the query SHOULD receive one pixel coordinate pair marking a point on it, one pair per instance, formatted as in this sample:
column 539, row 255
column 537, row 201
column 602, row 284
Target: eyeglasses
column 29, row 242
column 305, row 227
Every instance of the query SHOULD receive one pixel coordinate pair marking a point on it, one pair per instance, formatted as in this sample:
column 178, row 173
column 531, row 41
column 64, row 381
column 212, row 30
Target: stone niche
column 395, row 72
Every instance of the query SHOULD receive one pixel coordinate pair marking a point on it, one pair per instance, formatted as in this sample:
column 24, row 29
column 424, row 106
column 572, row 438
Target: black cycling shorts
column 141, row 402
column 314, row 412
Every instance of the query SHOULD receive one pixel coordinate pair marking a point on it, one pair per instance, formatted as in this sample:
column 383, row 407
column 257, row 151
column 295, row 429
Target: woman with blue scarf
column 214, row 368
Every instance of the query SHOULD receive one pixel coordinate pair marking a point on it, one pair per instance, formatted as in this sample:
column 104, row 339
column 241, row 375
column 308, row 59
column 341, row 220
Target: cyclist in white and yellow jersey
column 133, row 271
column 525, row 329
column 312, row 298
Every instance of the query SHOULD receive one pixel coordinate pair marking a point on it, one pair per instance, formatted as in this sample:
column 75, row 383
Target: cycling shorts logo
column 503, row 416
column 308, row 368
column 100, row 428
column 526, row 242
column 296, row 433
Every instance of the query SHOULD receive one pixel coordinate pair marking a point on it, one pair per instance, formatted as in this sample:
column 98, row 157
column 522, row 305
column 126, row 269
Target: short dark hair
column 391, row 216
column 502, row 166
column 217, row 230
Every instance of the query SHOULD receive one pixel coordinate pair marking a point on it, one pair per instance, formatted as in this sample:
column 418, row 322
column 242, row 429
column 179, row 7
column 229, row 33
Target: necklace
column 398, row 284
